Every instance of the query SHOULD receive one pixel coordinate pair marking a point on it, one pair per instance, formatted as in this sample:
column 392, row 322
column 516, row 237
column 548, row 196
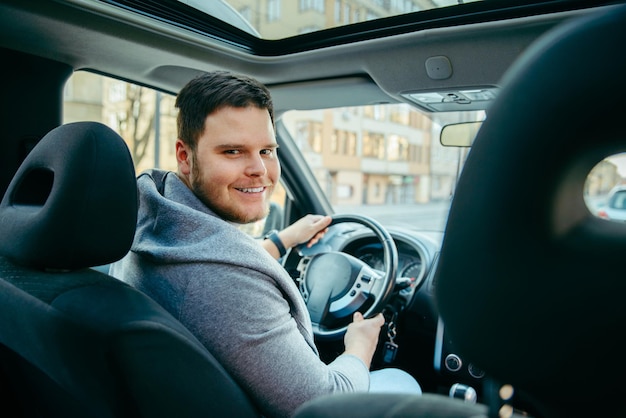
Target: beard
column 229, row 213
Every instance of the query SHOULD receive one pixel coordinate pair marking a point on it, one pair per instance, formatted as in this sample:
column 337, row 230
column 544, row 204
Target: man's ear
column 183, row 157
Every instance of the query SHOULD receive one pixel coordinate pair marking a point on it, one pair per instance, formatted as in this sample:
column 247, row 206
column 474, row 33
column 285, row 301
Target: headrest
column 530, row 284
column 73, row 201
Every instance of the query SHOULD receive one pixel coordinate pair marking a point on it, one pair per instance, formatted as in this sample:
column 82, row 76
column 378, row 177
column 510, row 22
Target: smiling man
column 189, row 255
column 239, row 150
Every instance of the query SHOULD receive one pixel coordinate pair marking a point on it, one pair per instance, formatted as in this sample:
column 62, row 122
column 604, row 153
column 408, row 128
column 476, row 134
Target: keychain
column 390, row 348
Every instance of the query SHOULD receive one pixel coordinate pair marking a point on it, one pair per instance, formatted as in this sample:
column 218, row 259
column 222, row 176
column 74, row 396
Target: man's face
column 235, row 167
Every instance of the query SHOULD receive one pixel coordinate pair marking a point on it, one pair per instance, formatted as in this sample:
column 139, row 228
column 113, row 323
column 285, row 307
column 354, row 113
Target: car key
column 390, row 348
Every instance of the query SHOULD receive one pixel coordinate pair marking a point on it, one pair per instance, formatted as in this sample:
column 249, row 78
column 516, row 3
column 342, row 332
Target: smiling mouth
column 251, row 189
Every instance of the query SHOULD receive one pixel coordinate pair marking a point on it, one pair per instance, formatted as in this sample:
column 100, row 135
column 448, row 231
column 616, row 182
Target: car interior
column 513, row 308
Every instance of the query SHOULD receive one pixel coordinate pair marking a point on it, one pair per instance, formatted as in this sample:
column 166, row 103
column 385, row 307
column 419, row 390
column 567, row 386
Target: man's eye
column 232, row 151
column 268, row 151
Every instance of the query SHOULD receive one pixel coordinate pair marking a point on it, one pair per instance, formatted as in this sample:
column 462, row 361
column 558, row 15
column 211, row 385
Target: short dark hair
column 208, row 93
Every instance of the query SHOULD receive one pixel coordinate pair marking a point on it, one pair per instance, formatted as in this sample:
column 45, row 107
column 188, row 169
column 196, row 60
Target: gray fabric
column 238, row 300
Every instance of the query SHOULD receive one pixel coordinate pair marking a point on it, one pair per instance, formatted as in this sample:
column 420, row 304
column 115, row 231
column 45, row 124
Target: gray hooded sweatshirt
column 228, row 291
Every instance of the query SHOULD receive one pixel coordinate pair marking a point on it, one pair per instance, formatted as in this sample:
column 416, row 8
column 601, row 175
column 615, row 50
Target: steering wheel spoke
column 365, row 287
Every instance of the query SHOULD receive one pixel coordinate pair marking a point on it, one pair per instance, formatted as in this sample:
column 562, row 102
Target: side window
column 144, row 117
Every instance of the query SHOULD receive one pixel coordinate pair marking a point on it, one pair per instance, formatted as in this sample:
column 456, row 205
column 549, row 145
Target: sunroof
column 278, row 19
column 279, row 27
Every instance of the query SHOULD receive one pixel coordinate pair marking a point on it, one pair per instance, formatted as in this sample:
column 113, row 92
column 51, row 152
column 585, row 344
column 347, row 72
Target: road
column 427, row 216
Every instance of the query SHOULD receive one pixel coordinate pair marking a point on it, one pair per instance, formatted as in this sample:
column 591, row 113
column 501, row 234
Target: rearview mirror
column 459, row 134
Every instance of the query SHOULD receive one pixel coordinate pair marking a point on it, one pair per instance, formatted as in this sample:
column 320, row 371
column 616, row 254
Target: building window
column 315, row 5
column 400, row 114
column 397, row 148
column 117, row 92
column 373, row 145
column 374, row 112
column 343, row 143
column 273, row 10
column 310, row 133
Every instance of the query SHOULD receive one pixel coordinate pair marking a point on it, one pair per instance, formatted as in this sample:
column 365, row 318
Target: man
column 231, row 293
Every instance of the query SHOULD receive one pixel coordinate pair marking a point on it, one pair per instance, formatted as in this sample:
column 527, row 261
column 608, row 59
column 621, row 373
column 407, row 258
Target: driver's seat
column 75, row 342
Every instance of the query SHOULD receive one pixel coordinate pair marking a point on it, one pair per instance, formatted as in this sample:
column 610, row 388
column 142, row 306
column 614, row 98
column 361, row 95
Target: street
column 426, row 216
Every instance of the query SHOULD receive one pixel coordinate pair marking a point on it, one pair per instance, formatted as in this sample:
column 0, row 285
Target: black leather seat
column 75, row 342
column 530, row 284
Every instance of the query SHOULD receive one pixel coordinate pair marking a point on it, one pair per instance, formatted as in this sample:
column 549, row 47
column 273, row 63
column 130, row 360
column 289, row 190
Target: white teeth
column 252, row 190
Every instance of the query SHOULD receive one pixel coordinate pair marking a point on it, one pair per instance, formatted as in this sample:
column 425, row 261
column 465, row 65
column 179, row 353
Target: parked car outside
column 615, row 207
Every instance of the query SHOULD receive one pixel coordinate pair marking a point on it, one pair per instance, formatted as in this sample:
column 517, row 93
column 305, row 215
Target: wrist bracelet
column 273, row 236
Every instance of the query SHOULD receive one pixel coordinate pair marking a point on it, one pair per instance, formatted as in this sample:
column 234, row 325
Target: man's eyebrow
column 229, row 146
column 242, row 146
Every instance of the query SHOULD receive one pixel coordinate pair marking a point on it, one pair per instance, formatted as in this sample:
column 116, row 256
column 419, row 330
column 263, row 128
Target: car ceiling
column 165, row 57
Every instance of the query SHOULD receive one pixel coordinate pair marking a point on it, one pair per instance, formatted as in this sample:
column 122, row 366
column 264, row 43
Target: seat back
column 75, row 342
column 530, row 283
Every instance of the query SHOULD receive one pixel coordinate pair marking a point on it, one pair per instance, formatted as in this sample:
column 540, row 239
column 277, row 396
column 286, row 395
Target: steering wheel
column 334, row 284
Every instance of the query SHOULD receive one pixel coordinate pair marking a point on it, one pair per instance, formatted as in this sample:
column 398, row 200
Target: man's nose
column 256, row 166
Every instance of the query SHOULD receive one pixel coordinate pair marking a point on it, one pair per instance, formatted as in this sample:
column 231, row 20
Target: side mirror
column 459, row 134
